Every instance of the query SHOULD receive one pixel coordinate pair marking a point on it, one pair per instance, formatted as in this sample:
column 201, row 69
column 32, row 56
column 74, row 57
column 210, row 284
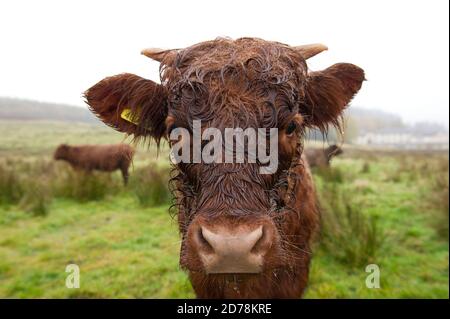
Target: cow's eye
column 292, row 126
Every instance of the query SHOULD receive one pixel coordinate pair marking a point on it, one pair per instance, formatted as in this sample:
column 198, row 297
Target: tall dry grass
column 37, row 198
column 25, row 184
column 150, row 186
column 347, row 233
column 82, row 186
column 34, row 185
column 11, row 188
column 438, row 197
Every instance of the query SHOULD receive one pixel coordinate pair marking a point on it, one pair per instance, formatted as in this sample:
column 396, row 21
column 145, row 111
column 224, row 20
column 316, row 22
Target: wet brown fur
column 242, row 83
column 106, row 158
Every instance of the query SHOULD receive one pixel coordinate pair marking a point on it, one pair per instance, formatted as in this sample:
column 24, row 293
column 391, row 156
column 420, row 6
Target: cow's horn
column 158, row 54
column 310, row 50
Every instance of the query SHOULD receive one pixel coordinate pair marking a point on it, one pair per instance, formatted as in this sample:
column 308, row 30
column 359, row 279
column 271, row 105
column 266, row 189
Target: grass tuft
column 347, row 233
column 82, row 186
column 11, row 188
column 37, row 198
column 150, row 186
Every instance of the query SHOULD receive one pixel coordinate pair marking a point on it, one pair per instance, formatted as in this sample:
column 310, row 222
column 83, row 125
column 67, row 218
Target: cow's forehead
column 240, row 49
column 235, row 82
column 222, row 54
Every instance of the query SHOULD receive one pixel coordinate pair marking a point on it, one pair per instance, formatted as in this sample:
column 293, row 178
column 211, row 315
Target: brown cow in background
column 322, row 157
column 106, row 158
column 244, row 234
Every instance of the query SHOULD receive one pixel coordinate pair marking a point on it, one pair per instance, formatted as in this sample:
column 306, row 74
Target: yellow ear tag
column 128, row 116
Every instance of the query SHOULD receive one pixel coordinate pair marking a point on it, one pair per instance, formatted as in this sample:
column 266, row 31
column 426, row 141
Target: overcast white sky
column 54, row 50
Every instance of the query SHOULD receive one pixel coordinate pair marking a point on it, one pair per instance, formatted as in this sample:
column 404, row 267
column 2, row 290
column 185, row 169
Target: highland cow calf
column 244, row 233
column 322, row 157
column 106, row 158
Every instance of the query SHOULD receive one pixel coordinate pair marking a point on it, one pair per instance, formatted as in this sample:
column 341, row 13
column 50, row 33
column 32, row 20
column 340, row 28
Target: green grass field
column 127, row 247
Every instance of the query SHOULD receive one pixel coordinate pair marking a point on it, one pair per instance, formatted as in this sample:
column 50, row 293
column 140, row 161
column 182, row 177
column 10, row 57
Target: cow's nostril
column 203, row 242
column 263, row 243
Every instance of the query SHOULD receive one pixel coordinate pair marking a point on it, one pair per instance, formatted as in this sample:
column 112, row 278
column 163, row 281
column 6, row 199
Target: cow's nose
column 238, row 250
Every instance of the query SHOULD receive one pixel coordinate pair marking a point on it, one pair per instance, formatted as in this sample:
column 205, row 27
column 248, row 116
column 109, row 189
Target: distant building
column 405, row 138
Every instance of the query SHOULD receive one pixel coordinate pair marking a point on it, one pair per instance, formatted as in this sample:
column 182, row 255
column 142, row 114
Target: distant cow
column 322, row 157
column 106, row 158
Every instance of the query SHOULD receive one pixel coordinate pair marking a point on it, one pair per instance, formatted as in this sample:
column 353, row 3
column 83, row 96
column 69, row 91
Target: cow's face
column 231, row 214
column 61, row 152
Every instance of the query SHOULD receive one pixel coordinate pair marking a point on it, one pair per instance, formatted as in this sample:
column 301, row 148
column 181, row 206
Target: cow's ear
column 328, row 92
column 130, row 104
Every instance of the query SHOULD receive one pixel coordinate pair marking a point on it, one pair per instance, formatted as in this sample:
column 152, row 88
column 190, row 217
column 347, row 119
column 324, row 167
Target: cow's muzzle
column 225, row 246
